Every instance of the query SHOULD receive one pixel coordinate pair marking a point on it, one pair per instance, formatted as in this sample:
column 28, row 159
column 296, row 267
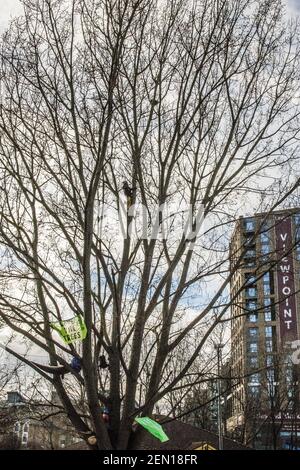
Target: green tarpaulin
column 71, row 330
column 153, row 427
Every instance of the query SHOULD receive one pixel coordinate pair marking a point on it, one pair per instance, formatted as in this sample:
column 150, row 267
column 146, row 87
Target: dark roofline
column 291, row 210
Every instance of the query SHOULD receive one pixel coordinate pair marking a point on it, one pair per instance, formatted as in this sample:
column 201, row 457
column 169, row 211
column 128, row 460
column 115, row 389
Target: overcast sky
column 11, row 8
column 8, row 9
column 294, row 5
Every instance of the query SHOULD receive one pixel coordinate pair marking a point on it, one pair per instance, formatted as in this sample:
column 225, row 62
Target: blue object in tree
column 76, row 364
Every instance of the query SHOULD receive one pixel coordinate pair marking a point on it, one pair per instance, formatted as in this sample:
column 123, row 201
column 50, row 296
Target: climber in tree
column 102, row 362
column 129, row 192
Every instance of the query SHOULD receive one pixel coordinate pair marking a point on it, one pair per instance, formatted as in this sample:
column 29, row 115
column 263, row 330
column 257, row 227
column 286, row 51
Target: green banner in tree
column 153, row 427
column 71, row 330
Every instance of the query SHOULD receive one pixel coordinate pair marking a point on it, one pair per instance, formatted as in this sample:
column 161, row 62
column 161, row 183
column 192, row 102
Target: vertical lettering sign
column 285, row 280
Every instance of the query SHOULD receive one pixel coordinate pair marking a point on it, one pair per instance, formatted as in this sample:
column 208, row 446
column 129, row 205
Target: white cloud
column 294, row 5
column 8, row 10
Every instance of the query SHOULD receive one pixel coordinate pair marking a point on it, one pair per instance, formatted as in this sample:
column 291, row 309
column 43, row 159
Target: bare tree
column 190, row 103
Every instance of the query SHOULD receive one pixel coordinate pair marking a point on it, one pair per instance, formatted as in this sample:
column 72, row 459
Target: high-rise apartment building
column 265, row 328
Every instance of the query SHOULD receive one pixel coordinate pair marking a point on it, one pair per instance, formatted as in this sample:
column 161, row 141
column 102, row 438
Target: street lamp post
column 219, row 347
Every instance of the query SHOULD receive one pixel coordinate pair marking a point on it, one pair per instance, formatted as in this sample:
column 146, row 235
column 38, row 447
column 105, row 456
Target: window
column 26, row 427
column 271, row 375
column 253, row 332
column 17, row 427
column 252, row 317
column 265, row 249
column 253, row 390
column 251, row 292
column 268, row 284
column 249, row 241
column 269, row 360
column 269, row 309
column 251, row 304
column 253, row 361
column 272, row 391
column 289, row 375
column 297, row 235
column 249, row 225
column 253, row 347
column 264, row 237
column 267, row 289
column 298, row 251
column 268, row 315
column 250, row 253
column 254, row 378
column 267, row 302
column 297, row 219
column 250, row 280
column 268, row 332
column 62, row 442
column 269, row 345
column 271, row 383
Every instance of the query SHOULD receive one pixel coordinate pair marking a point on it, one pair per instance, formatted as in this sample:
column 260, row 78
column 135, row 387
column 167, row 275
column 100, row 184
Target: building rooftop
column 182, row 436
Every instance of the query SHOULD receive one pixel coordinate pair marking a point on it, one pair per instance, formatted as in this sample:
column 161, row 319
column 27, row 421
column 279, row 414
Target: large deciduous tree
column 193, row 103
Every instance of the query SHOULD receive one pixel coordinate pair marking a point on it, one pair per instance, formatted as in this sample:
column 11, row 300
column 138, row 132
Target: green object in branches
column 71, row 330
column 153, row 427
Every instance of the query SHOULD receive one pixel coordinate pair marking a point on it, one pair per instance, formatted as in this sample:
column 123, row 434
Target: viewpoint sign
column 285, row 280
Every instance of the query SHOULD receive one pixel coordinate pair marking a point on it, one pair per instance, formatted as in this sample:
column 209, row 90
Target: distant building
column 33, row 425
column 265, row 303
column 204, row 405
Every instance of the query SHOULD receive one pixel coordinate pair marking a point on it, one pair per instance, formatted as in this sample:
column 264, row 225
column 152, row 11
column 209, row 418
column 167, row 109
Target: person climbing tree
column 102, row 362
column 129, row 193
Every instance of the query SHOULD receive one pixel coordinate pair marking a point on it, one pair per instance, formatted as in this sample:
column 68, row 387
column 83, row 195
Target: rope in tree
column 75, row 364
